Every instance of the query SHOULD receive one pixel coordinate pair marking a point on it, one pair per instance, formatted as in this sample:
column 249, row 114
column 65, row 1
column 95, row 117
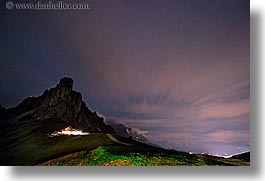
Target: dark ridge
column 243, row 156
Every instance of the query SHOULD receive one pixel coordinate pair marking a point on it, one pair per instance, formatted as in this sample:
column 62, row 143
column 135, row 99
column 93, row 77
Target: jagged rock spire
column 66, row 82
column 59, row 103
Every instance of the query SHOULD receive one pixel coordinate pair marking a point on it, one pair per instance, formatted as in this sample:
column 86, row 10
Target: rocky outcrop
column 127, row 132
column 2, row 109
column 59, row 103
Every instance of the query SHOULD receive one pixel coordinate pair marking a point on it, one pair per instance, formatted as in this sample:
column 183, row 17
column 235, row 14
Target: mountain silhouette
column 61, row 104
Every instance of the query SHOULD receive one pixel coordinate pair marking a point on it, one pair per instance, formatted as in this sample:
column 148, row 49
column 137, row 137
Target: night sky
column 176, row 71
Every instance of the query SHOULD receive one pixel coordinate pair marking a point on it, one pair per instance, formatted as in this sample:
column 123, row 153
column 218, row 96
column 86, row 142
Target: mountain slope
column 25, row 128
column 138, row 155
column 243, row 156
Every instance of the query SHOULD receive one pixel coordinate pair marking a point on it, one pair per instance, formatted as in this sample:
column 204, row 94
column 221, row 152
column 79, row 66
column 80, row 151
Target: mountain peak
column 61, row 103
column 66, row 82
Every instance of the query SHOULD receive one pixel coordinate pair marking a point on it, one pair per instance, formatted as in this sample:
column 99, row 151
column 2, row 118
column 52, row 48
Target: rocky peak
column 59, row 103
column 66, row 83
column 63, row 89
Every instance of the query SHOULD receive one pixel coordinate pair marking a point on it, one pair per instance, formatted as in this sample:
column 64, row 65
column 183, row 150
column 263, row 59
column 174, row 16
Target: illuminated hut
column 70, row 131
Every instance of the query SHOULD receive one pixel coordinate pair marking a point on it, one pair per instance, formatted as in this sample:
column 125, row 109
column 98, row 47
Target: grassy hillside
column 31, row 145
column 120, row 155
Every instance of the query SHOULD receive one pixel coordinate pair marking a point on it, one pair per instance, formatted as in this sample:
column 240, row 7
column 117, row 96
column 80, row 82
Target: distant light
column 227, row 156
column 190, row 152
column 223, row 155
column 72, row 132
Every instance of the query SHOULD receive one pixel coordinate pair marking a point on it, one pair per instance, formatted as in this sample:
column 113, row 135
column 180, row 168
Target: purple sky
column 178, row 71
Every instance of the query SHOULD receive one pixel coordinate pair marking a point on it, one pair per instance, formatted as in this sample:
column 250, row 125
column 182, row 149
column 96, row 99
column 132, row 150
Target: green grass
column 111, row 156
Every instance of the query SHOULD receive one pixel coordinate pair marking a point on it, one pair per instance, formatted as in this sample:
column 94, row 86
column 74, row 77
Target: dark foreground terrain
column 32, row 146
column 119, row 155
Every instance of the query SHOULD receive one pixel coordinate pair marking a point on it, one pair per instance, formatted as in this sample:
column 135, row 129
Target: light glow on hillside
column 72, row 132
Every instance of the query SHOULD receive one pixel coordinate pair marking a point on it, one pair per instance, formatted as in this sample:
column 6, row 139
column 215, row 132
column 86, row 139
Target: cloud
column 225, row 110
column 221, row 117
column 228, row 136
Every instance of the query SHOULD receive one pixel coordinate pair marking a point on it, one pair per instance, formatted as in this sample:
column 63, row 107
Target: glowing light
column 72, row 132
column 68, row 131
